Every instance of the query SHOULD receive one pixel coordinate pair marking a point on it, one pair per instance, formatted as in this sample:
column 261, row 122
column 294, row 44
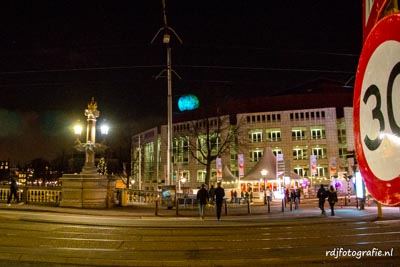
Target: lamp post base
column 86, row 190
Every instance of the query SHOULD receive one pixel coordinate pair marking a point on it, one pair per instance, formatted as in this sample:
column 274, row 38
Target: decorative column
column 91, row 113
column 88, row 189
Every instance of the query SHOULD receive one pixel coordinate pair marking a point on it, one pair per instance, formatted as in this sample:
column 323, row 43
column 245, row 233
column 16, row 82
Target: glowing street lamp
column 104, row 128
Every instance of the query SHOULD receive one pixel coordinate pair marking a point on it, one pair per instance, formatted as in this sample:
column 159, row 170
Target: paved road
column 44, row 236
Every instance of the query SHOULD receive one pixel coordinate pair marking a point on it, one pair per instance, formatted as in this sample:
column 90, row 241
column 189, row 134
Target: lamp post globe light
column 88, row 189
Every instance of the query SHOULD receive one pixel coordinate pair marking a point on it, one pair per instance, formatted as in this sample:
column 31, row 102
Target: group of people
column 329, row 194
column 292, row 195
column 205, row 197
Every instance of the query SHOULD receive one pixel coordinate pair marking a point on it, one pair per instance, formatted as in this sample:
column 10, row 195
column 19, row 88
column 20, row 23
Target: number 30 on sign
column 377, row 111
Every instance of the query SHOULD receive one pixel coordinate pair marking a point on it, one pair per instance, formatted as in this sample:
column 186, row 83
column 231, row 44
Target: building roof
column 319, row 93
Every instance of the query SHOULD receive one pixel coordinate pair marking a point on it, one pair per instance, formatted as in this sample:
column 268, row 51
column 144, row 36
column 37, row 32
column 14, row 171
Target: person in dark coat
column 321, row 195
column 219, row 199
column 13, row 191
column 202, row 199
column 332, row 199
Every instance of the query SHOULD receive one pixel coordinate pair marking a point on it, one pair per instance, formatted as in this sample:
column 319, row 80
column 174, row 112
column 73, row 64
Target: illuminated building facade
column 315, row 120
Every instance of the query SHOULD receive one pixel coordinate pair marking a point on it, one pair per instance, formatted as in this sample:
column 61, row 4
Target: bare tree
column 208, row 139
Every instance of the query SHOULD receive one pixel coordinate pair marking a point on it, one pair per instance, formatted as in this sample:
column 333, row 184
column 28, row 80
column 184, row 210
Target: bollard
column 248, row 207
column 357, row 203
column 345, row 200
column 283, row 205
column 269, row 205
column 177, row 207
column 156, row 211
column 226, row 208
column 379, row 207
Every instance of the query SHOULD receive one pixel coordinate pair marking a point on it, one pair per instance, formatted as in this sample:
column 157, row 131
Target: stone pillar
column 84, row 191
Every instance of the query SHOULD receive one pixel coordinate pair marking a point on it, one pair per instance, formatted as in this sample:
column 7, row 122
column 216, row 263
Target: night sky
column 56, row 55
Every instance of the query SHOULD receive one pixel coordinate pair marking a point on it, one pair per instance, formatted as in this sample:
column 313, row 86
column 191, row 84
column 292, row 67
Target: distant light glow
column 78, row 129
column 104, row 129
column 359, row 186
column 188, row 102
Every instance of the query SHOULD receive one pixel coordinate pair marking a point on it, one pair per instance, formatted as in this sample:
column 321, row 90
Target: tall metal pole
column 169, row 104
column 140, row 166
column 166, row 41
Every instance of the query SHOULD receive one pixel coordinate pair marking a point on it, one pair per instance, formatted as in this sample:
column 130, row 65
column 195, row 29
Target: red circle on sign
column 383, row 190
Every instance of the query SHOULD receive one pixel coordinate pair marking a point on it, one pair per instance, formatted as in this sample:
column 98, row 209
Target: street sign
column 377, row 111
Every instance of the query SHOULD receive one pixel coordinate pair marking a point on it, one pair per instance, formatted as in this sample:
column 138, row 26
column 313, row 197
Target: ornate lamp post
column 90, row 146
column 264, row 173
column 90, row 188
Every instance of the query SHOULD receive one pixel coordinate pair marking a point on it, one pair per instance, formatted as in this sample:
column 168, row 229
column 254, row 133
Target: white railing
column 34, row 195
column 139, row 196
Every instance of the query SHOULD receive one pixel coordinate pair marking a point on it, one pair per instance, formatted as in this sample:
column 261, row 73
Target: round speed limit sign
column 377, row 111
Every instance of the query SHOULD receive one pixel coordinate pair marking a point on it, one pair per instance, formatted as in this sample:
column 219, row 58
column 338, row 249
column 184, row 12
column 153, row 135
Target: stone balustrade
column 53, row 195
column 34, row 194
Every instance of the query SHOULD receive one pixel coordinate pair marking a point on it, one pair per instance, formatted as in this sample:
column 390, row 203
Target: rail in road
column 63, row 239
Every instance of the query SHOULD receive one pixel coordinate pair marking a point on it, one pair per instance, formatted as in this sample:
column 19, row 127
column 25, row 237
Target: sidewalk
column 308, row 209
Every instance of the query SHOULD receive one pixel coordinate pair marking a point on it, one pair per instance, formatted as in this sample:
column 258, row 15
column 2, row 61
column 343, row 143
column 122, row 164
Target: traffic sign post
column 377, row 111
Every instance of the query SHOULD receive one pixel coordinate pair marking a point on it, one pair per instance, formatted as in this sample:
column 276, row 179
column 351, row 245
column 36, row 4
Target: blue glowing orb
column 188, row 102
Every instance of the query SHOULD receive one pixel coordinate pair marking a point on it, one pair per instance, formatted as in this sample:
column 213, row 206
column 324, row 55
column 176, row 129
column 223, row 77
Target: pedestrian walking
column 321, row 195
column 332, row 199
column 13, row 192
column 287, row 196
column 202, row 199
column 219, row 199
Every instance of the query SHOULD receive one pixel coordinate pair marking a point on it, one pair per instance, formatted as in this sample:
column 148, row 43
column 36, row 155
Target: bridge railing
column 34, row 194
column 132, row 196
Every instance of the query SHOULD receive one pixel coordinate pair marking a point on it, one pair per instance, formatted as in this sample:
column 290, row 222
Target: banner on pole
column 219, row 169
column 241, row 165
column 313, row 164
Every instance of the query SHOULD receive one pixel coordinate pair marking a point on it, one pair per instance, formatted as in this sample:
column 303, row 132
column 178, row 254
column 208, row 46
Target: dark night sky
column 56, row 55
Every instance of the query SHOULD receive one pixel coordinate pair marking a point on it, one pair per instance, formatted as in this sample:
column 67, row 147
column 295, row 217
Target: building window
column 148, row 162
column 255, row 155
column 300, row 153
column 342, row 136
column 342, row 151
column 318, row 132
column 179, row 174
column 277, row 151
column 299, row 170
column 202, row 147
column 181, row 150
column 298, row 133
column 274, row 135
column 201, row 176
column 322, row 171
column 255, row 136
column 319, row 152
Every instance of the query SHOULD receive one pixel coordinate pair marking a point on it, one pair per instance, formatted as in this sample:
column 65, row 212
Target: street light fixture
column 104, row 128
